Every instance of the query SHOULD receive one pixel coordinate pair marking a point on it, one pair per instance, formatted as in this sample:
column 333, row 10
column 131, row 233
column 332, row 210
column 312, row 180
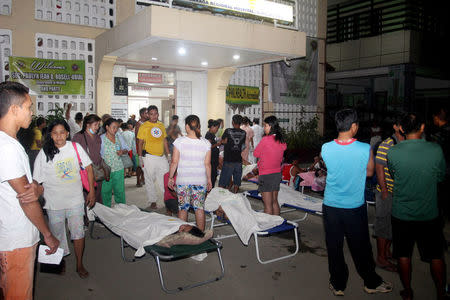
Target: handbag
column 126, row 160
column 102, row 170
column 83, row 171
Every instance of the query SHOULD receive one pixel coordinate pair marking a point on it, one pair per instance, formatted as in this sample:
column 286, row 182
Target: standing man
column 417, row 166
column 174, row 126
column 258, row 131
column 143, row 117
column 383, row 200
column 344, row 209
column 75, row 125
column 20, row 213
column 152, row 144
column 442, row 137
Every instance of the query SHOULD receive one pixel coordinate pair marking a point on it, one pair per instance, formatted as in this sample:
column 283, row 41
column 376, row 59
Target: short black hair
column 344, row 119
column 11, row 93
column 237, row 119
column 142, row 111
column 256, row 121
column 411, row 122
column 124, row 126
column 174, row 117
column 152, row 107
column 78, row 116
column 213, row 123
column 40, row 121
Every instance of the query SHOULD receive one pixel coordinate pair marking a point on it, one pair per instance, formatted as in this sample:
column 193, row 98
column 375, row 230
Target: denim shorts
column 230, row 169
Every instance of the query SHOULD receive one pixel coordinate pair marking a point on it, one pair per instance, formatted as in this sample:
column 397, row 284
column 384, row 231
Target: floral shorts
column 191, row 195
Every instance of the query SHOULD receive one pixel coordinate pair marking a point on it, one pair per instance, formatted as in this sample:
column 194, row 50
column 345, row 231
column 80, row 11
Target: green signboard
column 238, row 94
column 49, row 76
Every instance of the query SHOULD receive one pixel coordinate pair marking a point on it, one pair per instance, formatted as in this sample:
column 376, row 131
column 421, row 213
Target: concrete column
column 218, row 80
column 104, row 82
column 321, row 70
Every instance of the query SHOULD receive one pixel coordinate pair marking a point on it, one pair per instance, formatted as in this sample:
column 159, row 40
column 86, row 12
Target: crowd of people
column 74, row 163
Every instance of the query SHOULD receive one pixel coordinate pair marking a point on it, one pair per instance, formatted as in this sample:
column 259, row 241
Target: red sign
column 150, row 77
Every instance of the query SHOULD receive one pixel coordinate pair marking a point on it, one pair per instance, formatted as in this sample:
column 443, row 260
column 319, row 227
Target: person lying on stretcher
column 186, row 235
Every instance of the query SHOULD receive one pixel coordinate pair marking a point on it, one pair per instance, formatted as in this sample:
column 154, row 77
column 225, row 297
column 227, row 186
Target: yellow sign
column 238, row 94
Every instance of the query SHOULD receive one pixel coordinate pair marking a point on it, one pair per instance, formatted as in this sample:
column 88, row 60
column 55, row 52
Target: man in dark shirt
column 233, row 140
column 416, row 167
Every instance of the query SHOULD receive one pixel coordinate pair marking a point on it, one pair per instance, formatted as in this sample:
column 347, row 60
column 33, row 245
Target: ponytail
column 275, row 128
column 194, row 124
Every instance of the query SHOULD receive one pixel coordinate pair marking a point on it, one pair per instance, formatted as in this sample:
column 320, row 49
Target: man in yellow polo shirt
column 151, row 146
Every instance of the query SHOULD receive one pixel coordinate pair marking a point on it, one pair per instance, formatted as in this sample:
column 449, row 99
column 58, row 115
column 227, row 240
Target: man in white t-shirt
column 258, row 131
column 74, row 124
column 20, row 212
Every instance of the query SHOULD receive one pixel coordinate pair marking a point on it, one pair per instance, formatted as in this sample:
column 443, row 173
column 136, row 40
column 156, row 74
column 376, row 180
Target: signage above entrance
column 150, row 77
column 260, row 8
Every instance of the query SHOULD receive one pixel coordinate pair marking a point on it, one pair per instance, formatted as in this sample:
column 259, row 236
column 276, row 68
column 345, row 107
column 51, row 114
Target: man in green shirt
column 416, row 167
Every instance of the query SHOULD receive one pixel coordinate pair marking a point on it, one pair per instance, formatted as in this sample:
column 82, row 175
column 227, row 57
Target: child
column 290, row 170
column 344, row 210
column 233, row 140
column 170, row 196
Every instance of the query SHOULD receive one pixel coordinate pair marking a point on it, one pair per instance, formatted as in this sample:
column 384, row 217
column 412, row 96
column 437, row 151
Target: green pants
column 116, row 183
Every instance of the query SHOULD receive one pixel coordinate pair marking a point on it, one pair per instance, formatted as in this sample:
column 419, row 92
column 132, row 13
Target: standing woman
column 249, row 134
column 192, row 157
column 113, row 146
column 88, row 138
column 58, row 169
column 270, row 153
column 213, row 126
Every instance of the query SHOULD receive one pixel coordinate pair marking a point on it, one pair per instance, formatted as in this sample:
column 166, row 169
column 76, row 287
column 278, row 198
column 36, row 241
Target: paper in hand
column 54, row 258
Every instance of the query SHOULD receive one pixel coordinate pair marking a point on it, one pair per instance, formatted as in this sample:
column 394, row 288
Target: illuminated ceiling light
column 154, row 58
column 181, row 51
column 204, row 63
column 236, row 56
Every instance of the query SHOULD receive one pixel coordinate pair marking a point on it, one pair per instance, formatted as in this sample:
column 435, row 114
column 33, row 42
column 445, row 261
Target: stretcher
column 246, row 222
column 142, row 230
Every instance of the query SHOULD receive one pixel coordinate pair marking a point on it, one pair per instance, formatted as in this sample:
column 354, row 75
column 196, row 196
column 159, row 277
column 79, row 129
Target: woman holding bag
column 113, row 147
column 91, row 143
column 57, row 168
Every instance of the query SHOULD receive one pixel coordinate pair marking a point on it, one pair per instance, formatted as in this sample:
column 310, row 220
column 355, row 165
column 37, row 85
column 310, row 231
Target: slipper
column 389, row 267
column 83, row 274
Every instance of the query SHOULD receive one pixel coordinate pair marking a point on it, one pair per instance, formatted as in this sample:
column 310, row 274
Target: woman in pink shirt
column 270, row 153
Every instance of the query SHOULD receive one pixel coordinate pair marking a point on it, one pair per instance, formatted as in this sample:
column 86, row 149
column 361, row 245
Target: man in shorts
column 21, row 216
column 417, row 166
column 233, row 140
column 383, row 200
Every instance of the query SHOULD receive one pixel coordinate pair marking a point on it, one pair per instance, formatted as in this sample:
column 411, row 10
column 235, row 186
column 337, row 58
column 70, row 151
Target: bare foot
column 82, row 272
column 153, row 205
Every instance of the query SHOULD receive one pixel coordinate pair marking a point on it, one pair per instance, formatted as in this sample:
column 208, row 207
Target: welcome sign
column 238, row 94
column 49, row 76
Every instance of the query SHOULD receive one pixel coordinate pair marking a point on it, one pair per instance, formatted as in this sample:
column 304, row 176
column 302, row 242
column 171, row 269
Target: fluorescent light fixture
column 236, row 56
column 204, row 63
column 154, row 58
column 181, row 51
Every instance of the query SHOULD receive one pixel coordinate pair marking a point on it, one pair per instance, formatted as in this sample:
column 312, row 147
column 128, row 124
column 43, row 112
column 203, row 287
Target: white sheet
column 138, row 228
column 243, row 218
column 287, row 195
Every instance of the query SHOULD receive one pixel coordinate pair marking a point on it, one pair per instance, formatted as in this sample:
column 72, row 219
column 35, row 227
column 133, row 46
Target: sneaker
column 384, row 287
column 336, row 292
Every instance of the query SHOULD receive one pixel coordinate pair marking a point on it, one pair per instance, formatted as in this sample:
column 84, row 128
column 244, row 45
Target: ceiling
column 164, row 53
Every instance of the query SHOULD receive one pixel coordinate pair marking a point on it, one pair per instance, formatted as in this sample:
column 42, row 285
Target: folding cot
column 294, row 200
column 247, row 222
column 142, row 230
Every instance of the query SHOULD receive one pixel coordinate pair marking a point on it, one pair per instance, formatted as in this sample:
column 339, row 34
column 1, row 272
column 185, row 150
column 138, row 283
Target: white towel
column 287, row 195
column 244, row 219
column 138, row 228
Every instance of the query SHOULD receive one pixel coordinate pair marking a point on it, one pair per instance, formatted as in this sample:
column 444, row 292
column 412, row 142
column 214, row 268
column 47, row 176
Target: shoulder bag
column 102, row 170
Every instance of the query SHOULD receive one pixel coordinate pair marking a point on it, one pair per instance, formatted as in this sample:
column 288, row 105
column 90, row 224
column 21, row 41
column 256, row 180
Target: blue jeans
column 230, row 169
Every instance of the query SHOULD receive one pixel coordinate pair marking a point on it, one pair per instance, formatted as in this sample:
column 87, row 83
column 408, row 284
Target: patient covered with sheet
column 139, row 228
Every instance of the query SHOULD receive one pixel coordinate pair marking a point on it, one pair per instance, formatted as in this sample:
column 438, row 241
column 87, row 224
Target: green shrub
column 305, row 136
